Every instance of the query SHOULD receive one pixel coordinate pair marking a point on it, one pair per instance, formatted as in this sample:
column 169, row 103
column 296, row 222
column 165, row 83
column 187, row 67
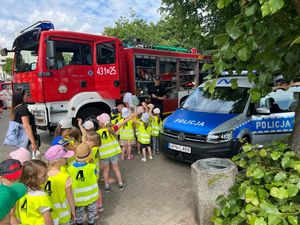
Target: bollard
column 211, row 177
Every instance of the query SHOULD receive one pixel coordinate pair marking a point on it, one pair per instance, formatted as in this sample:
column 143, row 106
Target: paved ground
column 158, row 192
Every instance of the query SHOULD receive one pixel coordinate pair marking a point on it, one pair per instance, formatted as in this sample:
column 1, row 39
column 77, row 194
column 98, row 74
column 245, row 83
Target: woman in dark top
column 21, row 114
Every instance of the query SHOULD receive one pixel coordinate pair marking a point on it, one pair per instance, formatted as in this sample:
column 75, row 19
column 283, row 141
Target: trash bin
column 211, row 177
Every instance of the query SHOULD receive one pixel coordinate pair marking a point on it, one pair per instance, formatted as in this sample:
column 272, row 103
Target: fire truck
column 69, row 75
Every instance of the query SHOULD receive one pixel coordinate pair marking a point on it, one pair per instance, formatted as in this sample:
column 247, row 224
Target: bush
column 266, row 189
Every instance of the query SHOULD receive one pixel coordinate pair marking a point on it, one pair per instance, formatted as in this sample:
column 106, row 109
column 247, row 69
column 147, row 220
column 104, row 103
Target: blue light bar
column 46, row 26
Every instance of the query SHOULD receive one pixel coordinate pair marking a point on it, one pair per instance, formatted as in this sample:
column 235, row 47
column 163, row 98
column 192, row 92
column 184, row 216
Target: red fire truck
column 68, row 74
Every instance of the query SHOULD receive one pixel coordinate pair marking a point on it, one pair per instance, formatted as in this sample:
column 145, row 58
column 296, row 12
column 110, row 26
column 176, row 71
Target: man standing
column 157, row 94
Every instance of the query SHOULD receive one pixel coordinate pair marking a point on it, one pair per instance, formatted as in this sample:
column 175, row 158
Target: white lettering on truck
column 191, row 122
column 273, row 124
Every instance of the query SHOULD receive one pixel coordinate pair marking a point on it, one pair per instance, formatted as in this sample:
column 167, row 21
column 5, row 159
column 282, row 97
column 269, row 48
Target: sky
column 88, row 16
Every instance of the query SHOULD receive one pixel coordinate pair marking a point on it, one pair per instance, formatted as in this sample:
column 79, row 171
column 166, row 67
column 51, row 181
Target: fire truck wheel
column 89, row 113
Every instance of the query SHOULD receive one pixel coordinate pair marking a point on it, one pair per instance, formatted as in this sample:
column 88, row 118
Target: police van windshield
column 223, row 100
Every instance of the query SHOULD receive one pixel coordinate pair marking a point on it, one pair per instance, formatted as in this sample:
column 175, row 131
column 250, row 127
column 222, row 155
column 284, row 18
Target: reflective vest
column 55, row 187
column 126, row 131
column 84, row 184
column 115, row 118
column 95, row 159
column 27, row 208
column 109, row 144
column 144, row 133
column 155, row 124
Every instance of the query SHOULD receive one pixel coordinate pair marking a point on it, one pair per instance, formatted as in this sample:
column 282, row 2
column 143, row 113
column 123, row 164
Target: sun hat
column 60, row 140
column 9, row 195
column 156, row 111
column 125, row 112
column 65, row 123
column 11, row 169
column 103, row 118
column 21, row 154
column 83, row 152
column 145, row 117
column 57, row 152
column 135, row 100
column 88, row 125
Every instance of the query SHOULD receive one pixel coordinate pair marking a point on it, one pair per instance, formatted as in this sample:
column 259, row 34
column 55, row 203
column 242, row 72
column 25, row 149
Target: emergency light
column 43, row 25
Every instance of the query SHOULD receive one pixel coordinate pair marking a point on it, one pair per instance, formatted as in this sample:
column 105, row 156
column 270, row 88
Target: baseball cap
column 11, row 169
column 57, row 152
column 156, row 111
column 103, row 118
column 65, row 123
column 125, row 112
column 83, row 152
column 145, row 117
column 60, row 140
column 21, row 154
column 156, row 77
column 9, row 195
column 88, row 125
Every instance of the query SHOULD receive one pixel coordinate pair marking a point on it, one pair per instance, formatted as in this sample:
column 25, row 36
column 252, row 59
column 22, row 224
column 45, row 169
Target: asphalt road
column 158, row 192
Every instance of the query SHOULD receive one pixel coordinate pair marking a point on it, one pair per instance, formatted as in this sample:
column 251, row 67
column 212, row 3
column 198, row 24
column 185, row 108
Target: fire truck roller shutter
column 91, row 112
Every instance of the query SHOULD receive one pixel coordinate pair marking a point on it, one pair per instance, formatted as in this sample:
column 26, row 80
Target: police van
column 212, row 125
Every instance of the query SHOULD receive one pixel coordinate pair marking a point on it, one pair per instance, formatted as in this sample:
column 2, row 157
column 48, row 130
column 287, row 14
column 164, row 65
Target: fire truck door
column 107, row 76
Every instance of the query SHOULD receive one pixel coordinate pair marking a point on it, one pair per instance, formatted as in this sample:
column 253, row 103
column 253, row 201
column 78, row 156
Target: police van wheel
column 90, row 113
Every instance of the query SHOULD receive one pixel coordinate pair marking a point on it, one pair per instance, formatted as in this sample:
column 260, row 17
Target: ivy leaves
column 266, row 189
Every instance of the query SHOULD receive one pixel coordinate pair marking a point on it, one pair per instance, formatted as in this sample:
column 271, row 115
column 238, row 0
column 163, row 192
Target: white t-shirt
column 127, row 99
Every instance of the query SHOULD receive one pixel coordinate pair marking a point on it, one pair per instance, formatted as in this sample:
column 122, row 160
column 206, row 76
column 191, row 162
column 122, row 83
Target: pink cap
column 58, row 152
column 103, row 118
column 21, row 154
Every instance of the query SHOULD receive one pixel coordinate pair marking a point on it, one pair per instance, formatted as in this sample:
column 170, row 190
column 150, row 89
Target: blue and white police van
column 213, row 125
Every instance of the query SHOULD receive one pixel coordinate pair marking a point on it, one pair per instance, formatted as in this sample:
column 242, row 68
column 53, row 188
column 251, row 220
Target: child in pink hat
column 59, row 183
column 21, row 154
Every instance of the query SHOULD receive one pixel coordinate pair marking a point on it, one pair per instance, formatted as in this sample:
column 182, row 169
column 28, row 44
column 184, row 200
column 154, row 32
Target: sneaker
column 121, row 187
column 100, row 208
column 144, row 159
column 150, row 157
column 107, row 188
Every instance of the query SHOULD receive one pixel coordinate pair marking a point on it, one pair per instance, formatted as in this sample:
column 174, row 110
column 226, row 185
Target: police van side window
column 106, row 53
column 70, row 53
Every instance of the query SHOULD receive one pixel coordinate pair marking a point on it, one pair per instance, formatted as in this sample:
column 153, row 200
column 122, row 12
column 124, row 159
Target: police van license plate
column 180, row 148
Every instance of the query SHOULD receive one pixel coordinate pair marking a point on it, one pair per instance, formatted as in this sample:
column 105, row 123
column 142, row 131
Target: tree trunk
column 295, row 138
column 296, row 3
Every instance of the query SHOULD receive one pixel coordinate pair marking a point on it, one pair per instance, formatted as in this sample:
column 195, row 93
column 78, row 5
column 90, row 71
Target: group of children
column 65, row 185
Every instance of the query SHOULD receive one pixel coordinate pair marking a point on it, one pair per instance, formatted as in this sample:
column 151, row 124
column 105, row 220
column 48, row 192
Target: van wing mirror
column 263, row 111
column 50, row 54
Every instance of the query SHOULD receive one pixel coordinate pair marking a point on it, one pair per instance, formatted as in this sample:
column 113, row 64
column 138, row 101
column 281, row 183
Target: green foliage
column 7, row 67
column 266, row 189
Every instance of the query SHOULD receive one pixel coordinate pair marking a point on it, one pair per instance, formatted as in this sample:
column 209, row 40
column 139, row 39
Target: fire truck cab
column 68, row 74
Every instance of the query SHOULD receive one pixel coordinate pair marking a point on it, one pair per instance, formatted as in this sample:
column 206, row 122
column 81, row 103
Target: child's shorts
column 125, row 142
column 145, row 146
column 113, row 160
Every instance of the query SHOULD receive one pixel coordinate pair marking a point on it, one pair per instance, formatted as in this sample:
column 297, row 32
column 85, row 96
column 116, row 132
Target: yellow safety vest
column 155, row 124
column 84, row 184
column 126, row 131
column 144, row 133
column 55, row 188
column 109, row 144
column 115, row 118
column 27, row 209
column 95, row 159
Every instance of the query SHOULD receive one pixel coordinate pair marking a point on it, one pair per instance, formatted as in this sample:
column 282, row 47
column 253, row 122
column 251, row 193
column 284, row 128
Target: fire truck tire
column 89, row 113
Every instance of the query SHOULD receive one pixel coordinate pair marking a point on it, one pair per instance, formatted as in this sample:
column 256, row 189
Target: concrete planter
column 211, row 177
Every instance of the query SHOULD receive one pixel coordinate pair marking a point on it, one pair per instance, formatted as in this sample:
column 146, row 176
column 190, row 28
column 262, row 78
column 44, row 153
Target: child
column 62, row 130
column 126, row 135
column 35, row 207
column 140, row 110
column 109, row 150
column 144, row 135
column 59, row 184
column 21, row 154
column 156, row 124
column 84, row 184
column 94, row 142
column 74, row 138
column 10, row 171
column 115, row 116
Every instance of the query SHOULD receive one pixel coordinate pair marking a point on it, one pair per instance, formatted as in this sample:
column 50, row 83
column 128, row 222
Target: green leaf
column 251, row 208
column 218, row 221
column 255, row 95
column 273, row 220
column 276, row 155
column 223, row 3
column 250, row 10
column 258, row 173
column 260, row 221
column 263, row 153
column 233, row 30
column 247, row 148
column 293, row 220
column 296, row 41
column 289, row 154
column 265, row 9
column 242, row 163
column 281, row 176
column 280, row 193
column 268, row 208
column 286, row 162
column 220, row 66
column 237, row 220
column 212, row 86
column 292, row 190
column 244, row 54
column 220, row 39
column 276, row 5
column 236, row 157
column 262, row 193
column 207, row 67
column 234, row 84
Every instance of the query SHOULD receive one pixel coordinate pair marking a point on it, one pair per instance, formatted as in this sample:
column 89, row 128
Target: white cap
column 156, row 111
column 125, row 112
column 65, row 123
column 145, row 117
column 88, row 125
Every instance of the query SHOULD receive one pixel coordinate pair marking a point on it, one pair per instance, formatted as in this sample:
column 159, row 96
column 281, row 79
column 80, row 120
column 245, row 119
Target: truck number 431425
column 109, row 70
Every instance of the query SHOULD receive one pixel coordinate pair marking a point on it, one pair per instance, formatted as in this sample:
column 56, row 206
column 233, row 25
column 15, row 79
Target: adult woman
column 21, row 114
